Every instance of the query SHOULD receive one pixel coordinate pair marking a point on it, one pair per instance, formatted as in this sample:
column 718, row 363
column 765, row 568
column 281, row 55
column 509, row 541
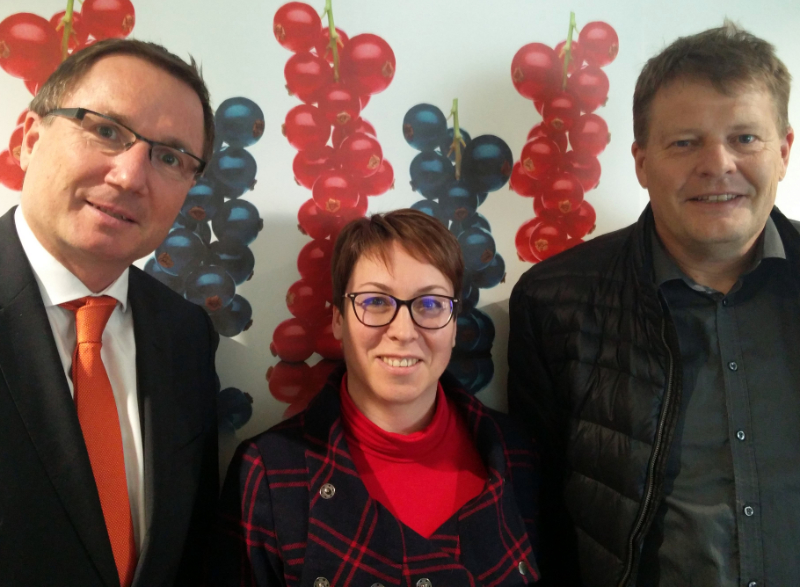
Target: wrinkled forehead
column 142, row 95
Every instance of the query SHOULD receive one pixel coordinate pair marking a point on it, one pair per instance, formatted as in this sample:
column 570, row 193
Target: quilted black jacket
column 595, row 376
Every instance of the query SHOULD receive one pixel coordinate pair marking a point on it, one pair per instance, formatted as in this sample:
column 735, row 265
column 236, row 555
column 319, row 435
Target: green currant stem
column 568, row 49
column 458, row 142
column 334, row 39
column 66, row 21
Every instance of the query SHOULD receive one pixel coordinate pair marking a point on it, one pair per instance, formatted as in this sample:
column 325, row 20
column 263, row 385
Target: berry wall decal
column 455, row 173
column 340, row 160
column 566, row 85
column 32, row 47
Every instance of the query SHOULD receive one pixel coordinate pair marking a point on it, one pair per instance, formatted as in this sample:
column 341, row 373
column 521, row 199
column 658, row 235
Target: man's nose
column 131, row 167
column 716, row 159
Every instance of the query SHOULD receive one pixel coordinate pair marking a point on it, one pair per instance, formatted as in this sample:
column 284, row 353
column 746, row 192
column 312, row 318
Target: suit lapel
column 154, row 375
column 31, row 367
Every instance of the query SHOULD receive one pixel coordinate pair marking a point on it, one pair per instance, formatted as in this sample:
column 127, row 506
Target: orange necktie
column 97, row 412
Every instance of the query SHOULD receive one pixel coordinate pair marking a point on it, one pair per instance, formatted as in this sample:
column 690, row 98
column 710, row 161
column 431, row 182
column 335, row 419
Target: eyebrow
column 742, row 126
column 419, row 292
column 169, row 142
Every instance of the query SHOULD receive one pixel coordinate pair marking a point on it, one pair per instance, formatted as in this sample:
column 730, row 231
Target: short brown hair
column 71, row 71
column 424, row 237
column 727, row 57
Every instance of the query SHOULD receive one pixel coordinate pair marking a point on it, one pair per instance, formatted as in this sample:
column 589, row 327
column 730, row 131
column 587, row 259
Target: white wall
column 444, row 49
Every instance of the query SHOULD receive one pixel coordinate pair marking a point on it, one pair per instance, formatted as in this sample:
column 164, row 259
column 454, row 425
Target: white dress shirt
column 58, row 285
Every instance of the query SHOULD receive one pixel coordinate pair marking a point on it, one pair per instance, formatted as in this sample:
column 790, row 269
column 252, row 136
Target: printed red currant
column 11, row 174
column 584, row 166
column 562, row 193
column 522, row 183
column 379, row 182
column 589, row 134
column 290, row 381
column 600, row 43
column 29, row 47
column 540, row 130
column 534, row 70
column 334, row 192
column 339, row 103
column 576, row 56
column 368, row 63
column 360, row 154
column 590, row 88
column 291, row 341
column 309, row 163
column 522, row 240
column 107, row 19
column 580, row 222
column 357, row 125
column 306, row 74
column 306, row 127
column 314, row 261
column 560, row 110
column 548, row 238
column 313, row 221
column 323, row 43
column 296, row 26
column 540, row 157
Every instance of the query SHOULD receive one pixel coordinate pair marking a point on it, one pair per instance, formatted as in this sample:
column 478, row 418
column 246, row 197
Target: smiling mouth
column 716, row 198
column 110, row 213
column 399, row 362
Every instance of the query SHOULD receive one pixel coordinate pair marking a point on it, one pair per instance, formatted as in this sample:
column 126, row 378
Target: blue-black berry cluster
column 234, row 409
column 486, row 163
column 207, row 272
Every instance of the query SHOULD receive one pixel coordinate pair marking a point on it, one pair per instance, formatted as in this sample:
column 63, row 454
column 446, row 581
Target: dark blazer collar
column 31, row 367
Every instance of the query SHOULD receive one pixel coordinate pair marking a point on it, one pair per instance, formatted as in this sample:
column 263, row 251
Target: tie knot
column 91, row 315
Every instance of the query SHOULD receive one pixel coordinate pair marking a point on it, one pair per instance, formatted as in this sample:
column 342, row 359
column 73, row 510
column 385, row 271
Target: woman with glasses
column 393, row 475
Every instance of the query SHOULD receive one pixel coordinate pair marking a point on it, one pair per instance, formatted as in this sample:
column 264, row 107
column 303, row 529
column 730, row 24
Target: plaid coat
column 294, row 511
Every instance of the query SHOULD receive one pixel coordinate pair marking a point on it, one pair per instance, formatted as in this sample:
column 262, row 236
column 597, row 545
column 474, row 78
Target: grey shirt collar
column 769, row 245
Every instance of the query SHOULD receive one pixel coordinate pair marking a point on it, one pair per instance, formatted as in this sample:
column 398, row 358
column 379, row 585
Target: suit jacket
column 294, row 511
column 52, row 530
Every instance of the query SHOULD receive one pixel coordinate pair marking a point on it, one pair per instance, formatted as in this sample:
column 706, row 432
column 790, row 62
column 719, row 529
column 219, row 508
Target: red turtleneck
column 422, row 478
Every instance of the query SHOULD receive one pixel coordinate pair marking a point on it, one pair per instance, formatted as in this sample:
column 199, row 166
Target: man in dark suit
column 91, row 497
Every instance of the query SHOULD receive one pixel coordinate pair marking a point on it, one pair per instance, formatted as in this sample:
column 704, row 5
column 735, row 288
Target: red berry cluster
column 341, row 161
column 32, row 47
column 567, row 85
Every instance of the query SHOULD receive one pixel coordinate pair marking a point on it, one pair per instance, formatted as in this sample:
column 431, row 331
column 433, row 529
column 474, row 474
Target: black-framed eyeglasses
column 376, row 309
column 112, row 137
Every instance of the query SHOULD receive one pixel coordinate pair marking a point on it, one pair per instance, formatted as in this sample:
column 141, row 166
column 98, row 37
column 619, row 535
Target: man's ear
column 786, row 148
column 639, row 156
column 31, row 131
column 337, row 323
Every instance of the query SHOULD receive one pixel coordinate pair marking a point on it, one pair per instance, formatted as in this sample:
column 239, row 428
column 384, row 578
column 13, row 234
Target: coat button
column 733, row 366
column 321, row 582
column 327, row 491
column 424, row 583
column 522, row 568
column 749, row 511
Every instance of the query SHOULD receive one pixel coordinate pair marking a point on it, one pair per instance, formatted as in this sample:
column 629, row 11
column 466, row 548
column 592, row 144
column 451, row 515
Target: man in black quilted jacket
column 656, row 365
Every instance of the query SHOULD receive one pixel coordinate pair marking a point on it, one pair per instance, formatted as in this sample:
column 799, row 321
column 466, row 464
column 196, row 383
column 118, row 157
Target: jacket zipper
column 648, row 495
